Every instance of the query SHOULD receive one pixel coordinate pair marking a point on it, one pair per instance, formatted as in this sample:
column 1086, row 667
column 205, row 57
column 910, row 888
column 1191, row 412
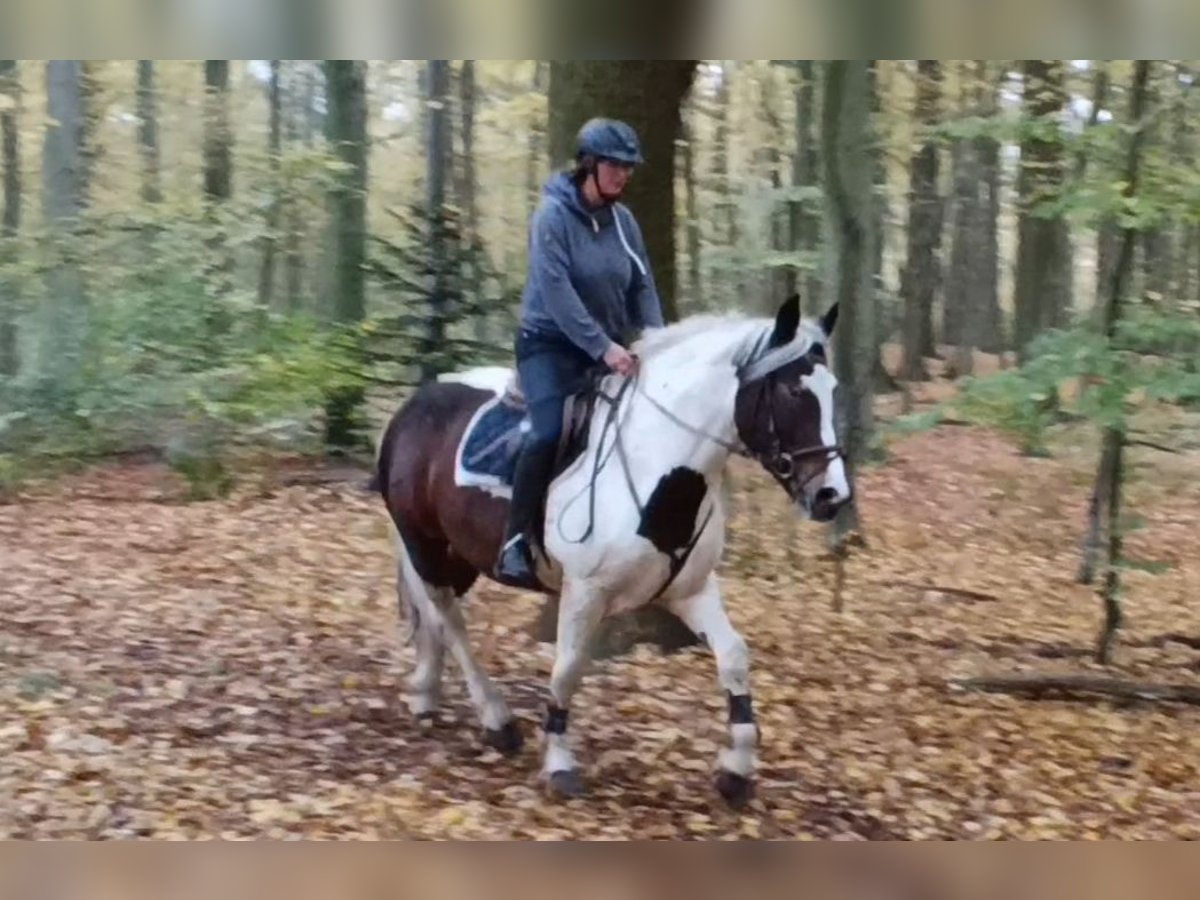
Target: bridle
column 780, row 461
column 783, row 462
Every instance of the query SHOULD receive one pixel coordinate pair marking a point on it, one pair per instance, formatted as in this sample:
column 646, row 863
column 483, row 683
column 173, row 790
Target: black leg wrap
column 741, row 711
column 556, row 720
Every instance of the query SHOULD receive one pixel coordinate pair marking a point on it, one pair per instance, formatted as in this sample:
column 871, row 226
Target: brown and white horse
column 636, row 518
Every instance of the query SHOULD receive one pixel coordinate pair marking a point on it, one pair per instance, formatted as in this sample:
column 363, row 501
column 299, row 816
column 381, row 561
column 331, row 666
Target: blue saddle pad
column 487, row 454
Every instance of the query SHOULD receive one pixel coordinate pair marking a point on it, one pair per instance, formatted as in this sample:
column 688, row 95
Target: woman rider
column 588, row 291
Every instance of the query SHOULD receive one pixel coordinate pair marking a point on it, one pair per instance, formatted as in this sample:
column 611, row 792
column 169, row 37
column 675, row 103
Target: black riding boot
column 516, row 566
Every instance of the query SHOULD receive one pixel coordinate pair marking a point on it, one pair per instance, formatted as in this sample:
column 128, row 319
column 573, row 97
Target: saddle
column 487, row 453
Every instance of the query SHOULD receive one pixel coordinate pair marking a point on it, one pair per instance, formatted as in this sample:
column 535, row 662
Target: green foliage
column 12, row 474
column 477, row 311
column 1154, row 357
column 179, row 361
column 915, row 423
column 1149, row 566
column 1015, row 401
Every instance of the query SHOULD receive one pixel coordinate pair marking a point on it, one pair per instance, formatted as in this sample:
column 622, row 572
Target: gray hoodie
column 589, row 277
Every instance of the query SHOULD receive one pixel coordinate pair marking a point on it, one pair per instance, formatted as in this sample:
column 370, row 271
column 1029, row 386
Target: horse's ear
column 787, row 320
column 829, row 320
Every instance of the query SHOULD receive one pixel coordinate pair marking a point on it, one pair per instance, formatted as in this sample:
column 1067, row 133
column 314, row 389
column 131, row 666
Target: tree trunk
column 695, row 300
column 1157, row 251
column 1189, row 279
column 1108, row 237
column 965, row 303
column 778, row 280
column 468, row 192
column 293, row 239
column 469, row 187
column 1093, row 542
column 724, row 212
column 961, row 224
column 882, row 379
column 1114, row 437
column 438, row 164
column 10, row 221
column 805, row 221
column 535, row 161
column 312, row 121
column 1043, row 277
column 845, row 149
column 987, row 155
column 647, row 94
column 921, row 271
column 1106, row 233
column 266, row 271
column 218, row 135
column 63, row 332
column 1187, row 231
column 346, row 134
column 147, row 114
column 218, row 176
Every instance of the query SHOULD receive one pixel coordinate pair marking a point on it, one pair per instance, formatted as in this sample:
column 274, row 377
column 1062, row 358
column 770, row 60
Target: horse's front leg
column 580, row 610
column 705, row 614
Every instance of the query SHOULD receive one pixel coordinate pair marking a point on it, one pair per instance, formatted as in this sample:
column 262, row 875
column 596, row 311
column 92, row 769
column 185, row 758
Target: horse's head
column 785, row 415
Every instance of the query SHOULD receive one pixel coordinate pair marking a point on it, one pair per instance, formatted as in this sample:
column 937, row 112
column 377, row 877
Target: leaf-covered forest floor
column 232, row 668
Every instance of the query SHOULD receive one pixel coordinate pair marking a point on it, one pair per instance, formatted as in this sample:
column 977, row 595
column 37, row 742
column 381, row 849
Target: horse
column 635, row 516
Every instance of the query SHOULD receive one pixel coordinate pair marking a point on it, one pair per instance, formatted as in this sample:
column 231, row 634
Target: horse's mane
column 660, row 340
column 751, row 334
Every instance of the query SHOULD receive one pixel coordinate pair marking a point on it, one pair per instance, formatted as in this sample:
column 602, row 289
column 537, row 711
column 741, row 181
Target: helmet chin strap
column 607, row 198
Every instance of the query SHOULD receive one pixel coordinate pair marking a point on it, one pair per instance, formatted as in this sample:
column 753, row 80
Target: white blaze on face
column 822, row 382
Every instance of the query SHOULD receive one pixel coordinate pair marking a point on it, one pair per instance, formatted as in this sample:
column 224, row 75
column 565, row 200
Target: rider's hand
column 620, row 360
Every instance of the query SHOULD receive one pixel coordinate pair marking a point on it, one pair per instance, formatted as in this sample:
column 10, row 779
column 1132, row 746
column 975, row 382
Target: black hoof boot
column 737, row 790
column 506, row 739
column 565, row 784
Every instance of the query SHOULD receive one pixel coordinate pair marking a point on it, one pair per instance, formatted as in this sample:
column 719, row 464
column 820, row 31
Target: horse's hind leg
column 440, row 607
column 705, row 614
column 500, row 728
column 425, row 621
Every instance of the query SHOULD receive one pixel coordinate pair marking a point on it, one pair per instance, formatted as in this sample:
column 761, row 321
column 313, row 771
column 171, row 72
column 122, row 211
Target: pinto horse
column 635, row 518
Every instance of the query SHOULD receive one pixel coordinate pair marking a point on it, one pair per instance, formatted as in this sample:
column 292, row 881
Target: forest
column 219, row 279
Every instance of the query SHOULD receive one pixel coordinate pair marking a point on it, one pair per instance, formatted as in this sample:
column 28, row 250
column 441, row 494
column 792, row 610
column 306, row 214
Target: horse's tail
column 417, row 607
column 377, row 483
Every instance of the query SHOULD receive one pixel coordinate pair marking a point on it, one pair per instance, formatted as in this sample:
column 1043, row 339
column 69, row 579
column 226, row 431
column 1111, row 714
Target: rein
column 678, row 559
column 601, row 461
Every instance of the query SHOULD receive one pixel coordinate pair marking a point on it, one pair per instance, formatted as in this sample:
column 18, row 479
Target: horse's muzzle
column 826, row 503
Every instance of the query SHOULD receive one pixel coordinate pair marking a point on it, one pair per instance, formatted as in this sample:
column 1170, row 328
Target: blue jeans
column 551, row 369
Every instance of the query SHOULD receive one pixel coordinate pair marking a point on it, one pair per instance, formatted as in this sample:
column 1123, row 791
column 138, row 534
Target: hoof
column 737, row 790
column 566, row 783
column 507, row 739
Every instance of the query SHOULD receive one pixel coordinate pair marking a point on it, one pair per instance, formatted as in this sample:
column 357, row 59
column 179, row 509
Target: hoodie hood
column 562, row 187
